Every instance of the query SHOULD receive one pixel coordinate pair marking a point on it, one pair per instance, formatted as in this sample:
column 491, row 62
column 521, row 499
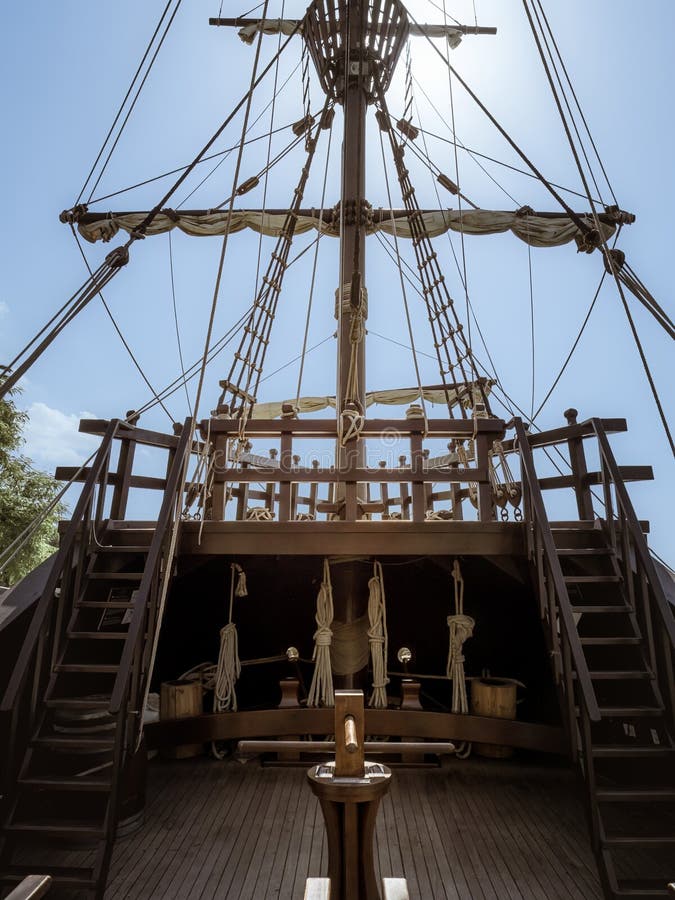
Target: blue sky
column 64, row 68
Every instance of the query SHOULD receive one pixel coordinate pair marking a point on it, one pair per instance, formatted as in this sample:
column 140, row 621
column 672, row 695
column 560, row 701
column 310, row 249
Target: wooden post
column 484, row 487
column 349, row 734
column 579, row 470
column 416, row 462
column 349, row 792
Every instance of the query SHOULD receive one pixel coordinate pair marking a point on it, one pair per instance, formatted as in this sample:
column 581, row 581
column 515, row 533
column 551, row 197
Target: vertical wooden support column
column 285, row 465
column 416, row 463
column 125, row 464
column 219, row 485
column 484, row 487
column 349, row 791
column 579, row 470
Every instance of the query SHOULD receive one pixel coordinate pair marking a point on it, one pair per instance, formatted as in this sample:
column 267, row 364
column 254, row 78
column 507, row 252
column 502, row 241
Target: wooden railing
column 349, row 479
column 139, row 646
column 46, row 631
column 31, row 888
column 644, row 589
column 571, row 670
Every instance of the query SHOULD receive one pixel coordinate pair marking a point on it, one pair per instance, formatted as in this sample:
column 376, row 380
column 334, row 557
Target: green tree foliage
column 24, row 493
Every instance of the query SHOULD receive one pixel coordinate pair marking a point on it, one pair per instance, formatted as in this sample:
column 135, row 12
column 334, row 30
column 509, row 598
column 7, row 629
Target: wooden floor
column 473, row 830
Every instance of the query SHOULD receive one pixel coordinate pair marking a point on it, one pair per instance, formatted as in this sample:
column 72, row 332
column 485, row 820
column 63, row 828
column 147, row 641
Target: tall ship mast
column 301, row 544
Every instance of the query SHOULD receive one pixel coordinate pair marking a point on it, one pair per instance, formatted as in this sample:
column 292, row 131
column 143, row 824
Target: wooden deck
column 473, row 830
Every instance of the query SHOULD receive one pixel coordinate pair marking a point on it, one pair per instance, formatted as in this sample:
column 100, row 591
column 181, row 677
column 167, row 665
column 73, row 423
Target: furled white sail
column 538, row 231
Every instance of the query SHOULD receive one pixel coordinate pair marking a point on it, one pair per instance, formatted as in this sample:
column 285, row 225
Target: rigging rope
column 223, row 249
column 175, row 320
column 118, row 330
column 126, row 97
column 461, row 629
column 377, row 637
column 439, row 303
column 581, row 225
column 321, row 688
column 241, row 386
column 403, row 291
column 228, row 668
column 314, row 268
column 111, row 265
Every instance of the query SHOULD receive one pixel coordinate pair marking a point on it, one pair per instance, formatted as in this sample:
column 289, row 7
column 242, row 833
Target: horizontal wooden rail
column 412, row 724
column 328, row 476
column 568, row 432
column 441, row 748
column 372, row 428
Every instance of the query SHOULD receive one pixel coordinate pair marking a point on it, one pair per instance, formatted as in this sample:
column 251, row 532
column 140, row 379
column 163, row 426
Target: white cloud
column 4, row 309
column 52, row 438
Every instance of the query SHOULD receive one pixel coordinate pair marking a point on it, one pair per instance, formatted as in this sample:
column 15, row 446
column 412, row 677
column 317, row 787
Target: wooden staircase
column 611, row 635
column 77, row 694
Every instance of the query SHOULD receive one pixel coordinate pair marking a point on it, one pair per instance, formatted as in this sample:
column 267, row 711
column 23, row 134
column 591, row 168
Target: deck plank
column 471, row 830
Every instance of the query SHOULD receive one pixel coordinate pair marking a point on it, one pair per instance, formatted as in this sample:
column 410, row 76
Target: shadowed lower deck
column 474, row 830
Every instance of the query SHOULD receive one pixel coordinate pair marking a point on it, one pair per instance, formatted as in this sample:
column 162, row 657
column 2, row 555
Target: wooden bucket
column 495, row 698
column 177, row 700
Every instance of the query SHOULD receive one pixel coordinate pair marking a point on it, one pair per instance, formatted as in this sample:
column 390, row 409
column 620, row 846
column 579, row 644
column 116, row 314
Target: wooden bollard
column 349, row 791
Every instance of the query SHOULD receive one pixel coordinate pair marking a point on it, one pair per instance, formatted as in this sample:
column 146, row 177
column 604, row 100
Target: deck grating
column 471, row 830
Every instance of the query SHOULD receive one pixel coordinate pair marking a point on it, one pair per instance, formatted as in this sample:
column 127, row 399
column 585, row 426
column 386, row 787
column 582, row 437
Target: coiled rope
column 377, row 637
column 461, row 629
column 321, row 688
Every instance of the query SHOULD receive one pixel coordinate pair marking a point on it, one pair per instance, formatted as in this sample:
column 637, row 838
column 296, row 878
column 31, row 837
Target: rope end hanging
column 241, row 589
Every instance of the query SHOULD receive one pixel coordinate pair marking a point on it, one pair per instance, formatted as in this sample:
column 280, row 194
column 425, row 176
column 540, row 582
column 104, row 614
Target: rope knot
column 323, row 636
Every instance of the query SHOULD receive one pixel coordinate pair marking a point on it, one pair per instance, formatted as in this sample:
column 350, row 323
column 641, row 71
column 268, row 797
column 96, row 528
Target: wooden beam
column 310, row 475
column 372, row 428
column 404, row 723
column 567, row 432
column 390, row 537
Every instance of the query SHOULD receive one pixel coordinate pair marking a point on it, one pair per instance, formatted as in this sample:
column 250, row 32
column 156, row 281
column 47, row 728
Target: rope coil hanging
column 461, row 629
column 321, row 688
column 377, row 637
column 229, row 666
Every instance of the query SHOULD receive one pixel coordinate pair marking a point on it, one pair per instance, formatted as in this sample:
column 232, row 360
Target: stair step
column 641, row 888
column 615, row 712
column 639, row 840
column 115, row 576
column 63, row 876
column 620, row 676
column 636, row 795
column 97, row 635
column 66, row 783
column 583, row 551
column 618, row 751
column 93, row 668
column 592, row 579
column 79, row 742
column 77, row 703
column 104, row 604
column 56, row 829
column 610, row 641
column 119, row 548
column 642, row 893
column 592, row 610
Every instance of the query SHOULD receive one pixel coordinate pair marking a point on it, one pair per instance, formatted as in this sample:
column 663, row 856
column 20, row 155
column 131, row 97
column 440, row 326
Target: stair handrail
column 538, row 520
column 639, row 541
column 174, row 487
column 20, row 672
